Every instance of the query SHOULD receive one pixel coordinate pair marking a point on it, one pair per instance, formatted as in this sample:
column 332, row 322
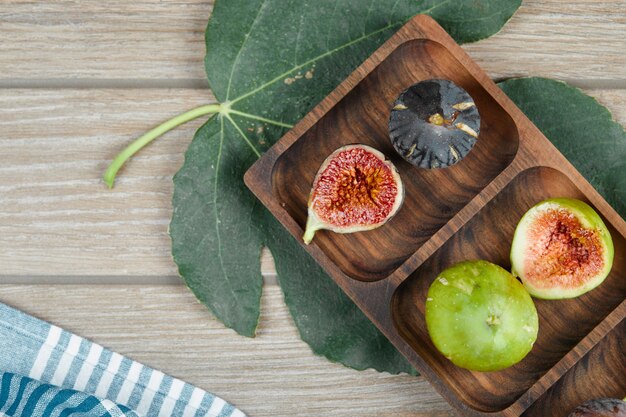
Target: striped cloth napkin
column 46, row 371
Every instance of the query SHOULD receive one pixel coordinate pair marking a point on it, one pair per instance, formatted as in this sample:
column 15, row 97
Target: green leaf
column 268, row 63
column 473, row 20
column 215, row 242
column 327, row 319
column 581, row 128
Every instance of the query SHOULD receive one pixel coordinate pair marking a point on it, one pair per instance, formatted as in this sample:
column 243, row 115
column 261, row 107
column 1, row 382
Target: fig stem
column 146, row 138
column 493, row 320
column 436, row 119
column 312, row 226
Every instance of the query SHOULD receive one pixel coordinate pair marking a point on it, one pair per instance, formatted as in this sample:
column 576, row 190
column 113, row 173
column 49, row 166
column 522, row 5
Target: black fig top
column 434, row 124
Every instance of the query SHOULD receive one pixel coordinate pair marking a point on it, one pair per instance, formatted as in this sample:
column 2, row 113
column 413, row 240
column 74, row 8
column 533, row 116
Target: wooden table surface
column 80, row 80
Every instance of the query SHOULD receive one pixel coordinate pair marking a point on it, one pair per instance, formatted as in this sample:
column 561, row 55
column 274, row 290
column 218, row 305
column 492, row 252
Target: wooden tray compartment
column 598, row 374
column 562, row 324
column 432, row 196
column 467, row 211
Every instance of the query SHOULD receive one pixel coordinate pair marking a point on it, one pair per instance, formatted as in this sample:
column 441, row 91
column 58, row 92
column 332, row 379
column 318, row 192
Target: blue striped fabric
column 44, row 368
column 26, row 397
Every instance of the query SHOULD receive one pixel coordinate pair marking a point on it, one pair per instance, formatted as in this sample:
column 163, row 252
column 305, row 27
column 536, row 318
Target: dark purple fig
column 600, row 407
column 434, row 124
column 355, row 189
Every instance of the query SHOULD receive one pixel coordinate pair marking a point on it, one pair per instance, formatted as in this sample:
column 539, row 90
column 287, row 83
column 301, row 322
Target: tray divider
column 375, row 298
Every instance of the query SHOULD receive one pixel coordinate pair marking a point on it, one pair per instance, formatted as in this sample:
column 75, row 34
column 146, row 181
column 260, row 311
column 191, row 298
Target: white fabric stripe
column 194, row 402
column 108, row 405
column 173, row 395
column 129, row 383
column 112, row 408
column 237, row 413
column 167, row 407
column 148, row 394
column 108, row 374
column 86, row 370
column 63, row 367
column 43, row 356
column 216, row 407
column 176, row 389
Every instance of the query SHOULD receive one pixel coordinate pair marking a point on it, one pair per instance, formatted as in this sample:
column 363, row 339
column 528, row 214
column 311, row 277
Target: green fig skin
column 480, row 317
column 550, row 288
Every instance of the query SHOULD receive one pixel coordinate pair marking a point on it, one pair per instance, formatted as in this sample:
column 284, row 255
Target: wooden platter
column 468, row 211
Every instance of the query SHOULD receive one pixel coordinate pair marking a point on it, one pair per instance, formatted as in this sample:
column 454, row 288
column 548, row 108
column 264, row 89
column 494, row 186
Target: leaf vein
column 393, row 9
column 313, row 60
column 243, row 44
column 296, row 49
column 332, row 16
column 245, row 138
column 435, row 6
column 367, row 16
column 217, row 219
column 261, row 119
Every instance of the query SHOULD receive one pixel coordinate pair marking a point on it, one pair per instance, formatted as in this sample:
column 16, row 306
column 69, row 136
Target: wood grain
column 56, row 145
column 162, row 43
column 113, row 40
column 273, row 375
column 487, row 236
column 608, row 381
column 57, row 219
column 526, row 156
column 129, row 61
column 432, row 197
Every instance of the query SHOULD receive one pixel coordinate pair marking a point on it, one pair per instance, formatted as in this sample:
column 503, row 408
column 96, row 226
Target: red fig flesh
column 561, row 249
column 355, row 189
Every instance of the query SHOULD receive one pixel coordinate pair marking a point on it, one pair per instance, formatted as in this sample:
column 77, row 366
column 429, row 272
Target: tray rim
column 258, row 178
column 595, row 336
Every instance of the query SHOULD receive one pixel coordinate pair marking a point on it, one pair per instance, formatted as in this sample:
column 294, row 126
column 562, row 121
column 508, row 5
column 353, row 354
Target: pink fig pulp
column 355, row 189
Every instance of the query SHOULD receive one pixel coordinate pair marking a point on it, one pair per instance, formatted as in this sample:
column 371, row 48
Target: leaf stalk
column 146, row 138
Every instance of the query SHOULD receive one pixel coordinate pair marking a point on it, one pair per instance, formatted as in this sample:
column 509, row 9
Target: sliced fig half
column 355, row 189
column 434, row 124
column 561, row 249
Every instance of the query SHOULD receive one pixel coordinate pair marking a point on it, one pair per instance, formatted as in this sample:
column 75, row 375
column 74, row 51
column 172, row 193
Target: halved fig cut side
column 561, row 249
column 355, row 189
